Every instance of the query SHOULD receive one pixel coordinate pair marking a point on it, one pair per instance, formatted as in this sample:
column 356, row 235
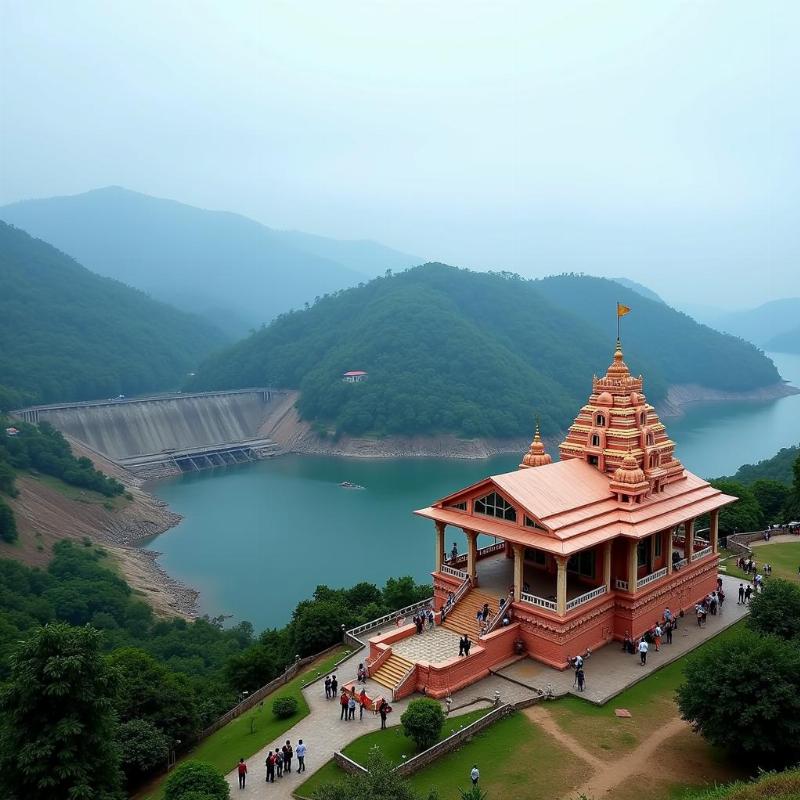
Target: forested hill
column 226, row 267
column 68, row 334
column 450, row 350
column 778, row 468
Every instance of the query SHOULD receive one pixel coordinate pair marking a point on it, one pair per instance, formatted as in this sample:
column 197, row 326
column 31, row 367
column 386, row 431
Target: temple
column 581, row 550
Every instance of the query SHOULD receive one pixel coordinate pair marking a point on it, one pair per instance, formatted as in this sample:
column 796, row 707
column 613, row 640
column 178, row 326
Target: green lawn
column 784, row 558
column 392, row 742
column 255, row 729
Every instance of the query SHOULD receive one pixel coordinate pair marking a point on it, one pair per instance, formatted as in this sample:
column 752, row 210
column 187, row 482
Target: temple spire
column 536, row 455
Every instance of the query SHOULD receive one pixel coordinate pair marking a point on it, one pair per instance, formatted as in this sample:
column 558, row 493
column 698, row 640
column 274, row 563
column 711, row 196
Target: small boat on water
column 349, row 485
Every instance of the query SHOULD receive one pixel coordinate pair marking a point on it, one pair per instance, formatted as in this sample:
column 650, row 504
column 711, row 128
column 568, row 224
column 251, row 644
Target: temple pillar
column 561, row 585
column 688, row 528
column 668, row 536
column 607, row 565
column 713, row 534
column 633, row 564
column 440, row 526
column 472, row 556
column 519, row 568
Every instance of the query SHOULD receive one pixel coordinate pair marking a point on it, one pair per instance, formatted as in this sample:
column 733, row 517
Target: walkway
column 609, row 671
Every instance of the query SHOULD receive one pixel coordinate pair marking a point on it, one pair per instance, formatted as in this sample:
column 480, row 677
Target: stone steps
column 462, row 619
column 392, row 671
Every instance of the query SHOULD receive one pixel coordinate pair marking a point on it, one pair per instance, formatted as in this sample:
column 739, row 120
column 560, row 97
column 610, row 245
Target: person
column 241, row 768
column 271, row 767
column 627, row 643
column 301, row 756
column 351, row 707
column 668, row 630
column 475, row 774
column 363, row 701
column 580, row 676
column 667, row 615
column 454, row 552
column 747, row 592
column 719, row 582
column 643, row 648
column 740, row 601
column 382, row 712
column 479, row 617
column 485, row 612
column 461, row 641
column 334, row 686
column 712, row 604
column 343, row 703
column 467, row 644
column 431, row 619
column 327, row 687
column 721, row 598
column 287, row 756
column 577, row 662
column 279, row 762
column 657, row 632
column 362, row 674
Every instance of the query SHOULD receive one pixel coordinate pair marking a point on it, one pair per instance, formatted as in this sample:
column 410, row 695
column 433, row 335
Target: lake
column 257, row 539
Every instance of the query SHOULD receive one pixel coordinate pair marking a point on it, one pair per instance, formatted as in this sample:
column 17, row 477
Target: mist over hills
column 68, row 334
column 449, row 350
column 237, row 272
column 773, row 325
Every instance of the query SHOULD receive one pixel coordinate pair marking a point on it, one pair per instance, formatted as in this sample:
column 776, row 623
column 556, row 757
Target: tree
column 194, row 778
column 743, row 694
column 56, row 719
column 792, row 506
column 401, row 592
column 143, row 747
column 422, row 721
column 380, row 782
column 771, row 496
column 8, row 525
column 284, row 707
column 776, row 610
column 743, row 515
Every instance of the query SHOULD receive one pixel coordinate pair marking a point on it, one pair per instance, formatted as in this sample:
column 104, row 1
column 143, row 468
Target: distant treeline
column 175, row 676
column 475, row 354
column 68, row 334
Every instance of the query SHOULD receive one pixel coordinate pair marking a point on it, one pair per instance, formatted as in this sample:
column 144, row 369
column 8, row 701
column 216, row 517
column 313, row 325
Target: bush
column 776, row 610
column 194, row 779
column 422, row 721
column 744, row 695
column 8, row 525
column 284, row 707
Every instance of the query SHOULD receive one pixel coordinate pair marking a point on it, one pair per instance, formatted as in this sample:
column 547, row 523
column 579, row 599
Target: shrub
column 194, row 779
column 284, row 707
column 422, row 721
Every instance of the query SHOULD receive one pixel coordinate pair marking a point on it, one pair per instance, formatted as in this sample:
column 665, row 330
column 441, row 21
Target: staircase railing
column 457, row 595
column 495, row 619
column 411, row 671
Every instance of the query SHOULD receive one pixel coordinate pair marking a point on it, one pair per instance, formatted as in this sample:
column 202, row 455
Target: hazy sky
column 655, row 140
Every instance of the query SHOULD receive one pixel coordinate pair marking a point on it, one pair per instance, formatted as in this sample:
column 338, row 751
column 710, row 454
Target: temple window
column 593, row 460
column 651, row 440
column 643, row 418
column 582, row 564
column 462, row 506
column 600, row 421
column 654, row 460
column 595, row 440
column 495, row 506
column 643, row 552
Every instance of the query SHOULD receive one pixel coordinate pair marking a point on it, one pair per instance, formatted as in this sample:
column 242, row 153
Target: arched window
column 595, row 440
column 643, row 418
column 495, row 506
column 651, row 440
column 600, row 421
column 653, row 460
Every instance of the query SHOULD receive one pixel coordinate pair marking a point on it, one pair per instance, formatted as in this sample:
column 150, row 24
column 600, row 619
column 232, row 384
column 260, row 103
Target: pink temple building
column 581, row 550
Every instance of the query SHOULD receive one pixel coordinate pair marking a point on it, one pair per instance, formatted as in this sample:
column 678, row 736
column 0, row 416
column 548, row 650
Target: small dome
column 536, row 455
column 605, row 399
column 636, row 399
column 629, row 471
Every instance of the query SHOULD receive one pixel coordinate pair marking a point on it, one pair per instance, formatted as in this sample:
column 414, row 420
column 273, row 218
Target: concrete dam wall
column 181, row 429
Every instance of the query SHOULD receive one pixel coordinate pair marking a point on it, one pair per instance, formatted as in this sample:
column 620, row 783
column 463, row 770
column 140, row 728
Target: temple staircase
column 462, row 620
column 392, row 671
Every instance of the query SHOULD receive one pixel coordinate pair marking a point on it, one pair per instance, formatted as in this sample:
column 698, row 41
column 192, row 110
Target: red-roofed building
column 355, row 376
column 584, row 550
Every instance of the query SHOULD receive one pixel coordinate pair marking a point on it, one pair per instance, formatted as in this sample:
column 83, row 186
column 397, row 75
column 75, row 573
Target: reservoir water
column 257, row 539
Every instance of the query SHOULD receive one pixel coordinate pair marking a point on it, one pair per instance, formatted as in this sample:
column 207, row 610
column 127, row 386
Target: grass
column 516, row 758
column 392, row 742
column 784, row 558
column 247, row 734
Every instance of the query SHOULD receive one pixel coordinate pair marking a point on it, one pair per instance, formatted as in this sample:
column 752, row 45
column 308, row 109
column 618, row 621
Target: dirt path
column 608, row 774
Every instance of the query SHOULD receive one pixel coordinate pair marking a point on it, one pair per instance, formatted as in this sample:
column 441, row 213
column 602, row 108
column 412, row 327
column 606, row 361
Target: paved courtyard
column 434, row 646
column 609, row 670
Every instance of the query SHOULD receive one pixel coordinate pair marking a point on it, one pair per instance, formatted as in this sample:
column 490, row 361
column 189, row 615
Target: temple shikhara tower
column 582, row 550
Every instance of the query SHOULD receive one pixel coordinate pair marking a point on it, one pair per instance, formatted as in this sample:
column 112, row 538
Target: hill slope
column 450, row 350
column 67, row 334
column 777, row 468
column 786, row 342
column 227, row 267
column 766, row 325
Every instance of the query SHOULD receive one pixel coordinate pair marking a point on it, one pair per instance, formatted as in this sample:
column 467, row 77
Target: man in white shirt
column 300, row 752
column 643, row 648
column 474, row 774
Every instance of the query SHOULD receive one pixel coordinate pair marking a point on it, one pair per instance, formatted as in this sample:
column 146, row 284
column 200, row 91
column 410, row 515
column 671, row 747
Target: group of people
column 580, row 675
column 349, row 701
column 464, row 644
column 279, row 762
column 331, row 686
column 710, row 604
column 424, row 619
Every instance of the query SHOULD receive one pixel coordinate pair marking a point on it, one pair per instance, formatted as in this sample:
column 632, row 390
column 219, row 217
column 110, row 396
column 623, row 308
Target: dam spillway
column 168, row 434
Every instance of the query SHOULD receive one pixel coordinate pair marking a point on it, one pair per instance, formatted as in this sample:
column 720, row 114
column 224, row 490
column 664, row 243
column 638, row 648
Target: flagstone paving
column 434, row 646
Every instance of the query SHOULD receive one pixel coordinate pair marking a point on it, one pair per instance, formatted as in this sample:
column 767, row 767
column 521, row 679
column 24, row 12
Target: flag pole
column 617, row 320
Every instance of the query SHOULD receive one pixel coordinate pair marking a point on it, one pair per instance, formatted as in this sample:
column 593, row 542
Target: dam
column 164, row 435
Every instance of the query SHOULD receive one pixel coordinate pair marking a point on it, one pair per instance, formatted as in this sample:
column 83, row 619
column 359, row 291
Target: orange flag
column 622, row 310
